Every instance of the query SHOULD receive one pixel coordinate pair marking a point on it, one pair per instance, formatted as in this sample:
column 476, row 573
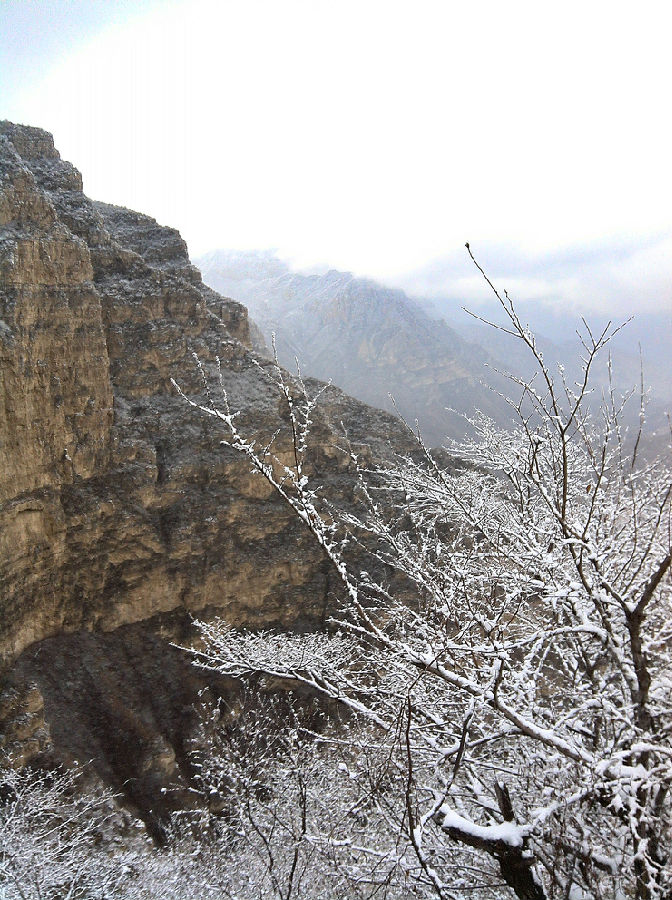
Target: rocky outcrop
column 119, row 508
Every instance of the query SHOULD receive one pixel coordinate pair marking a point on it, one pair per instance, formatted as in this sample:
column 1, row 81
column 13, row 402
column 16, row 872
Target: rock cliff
column 120, row 513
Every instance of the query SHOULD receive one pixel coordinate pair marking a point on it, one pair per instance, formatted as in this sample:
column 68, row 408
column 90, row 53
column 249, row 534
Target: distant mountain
column 374, row 341
column 370, row 340
column 640, row 349
column 649, row 331
column 619, row 276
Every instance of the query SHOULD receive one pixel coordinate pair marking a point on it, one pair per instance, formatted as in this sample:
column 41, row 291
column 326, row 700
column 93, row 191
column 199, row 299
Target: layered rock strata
column 119, row 508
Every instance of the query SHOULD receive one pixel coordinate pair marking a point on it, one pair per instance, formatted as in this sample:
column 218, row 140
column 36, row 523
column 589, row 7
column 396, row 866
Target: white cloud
column 613, row 276
column 373, row 135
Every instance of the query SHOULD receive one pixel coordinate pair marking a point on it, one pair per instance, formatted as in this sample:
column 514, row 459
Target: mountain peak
column 369, row 339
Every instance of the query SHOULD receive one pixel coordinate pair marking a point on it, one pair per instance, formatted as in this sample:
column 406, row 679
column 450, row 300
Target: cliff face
column 117, row 502
column 118, row 506
column 56, row 415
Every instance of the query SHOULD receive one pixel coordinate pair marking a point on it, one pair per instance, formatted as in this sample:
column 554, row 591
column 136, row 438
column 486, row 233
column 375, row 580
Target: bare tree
column 49, row 836
column 521, row 687
column 60, row 840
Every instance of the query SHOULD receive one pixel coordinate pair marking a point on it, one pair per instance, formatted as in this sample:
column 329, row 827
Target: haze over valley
column 427, row 359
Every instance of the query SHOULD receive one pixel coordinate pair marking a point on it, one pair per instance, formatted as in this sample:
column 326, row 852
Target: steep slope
column 119, row 509
column 370, row 340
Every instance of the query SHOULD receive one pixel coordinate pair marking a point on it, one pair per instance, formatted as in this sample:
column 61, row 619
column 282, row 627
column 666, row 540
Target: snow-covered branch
column 516, row 664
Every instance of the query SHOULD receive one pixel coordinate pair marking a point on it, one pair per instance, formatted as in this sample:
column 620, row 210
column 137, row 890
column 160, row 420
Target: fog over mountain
column 370, row 340
column 434, row 359
column 612, row 280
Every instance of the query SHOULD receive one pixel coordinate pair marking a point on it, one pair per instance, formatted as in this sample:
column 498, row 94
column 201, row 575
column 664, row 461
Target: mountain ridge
column 370, row 340
column 374, row 340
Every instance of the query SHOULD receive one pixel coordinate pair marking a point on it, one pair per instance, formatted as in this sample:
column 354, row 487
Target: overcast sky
column 372, row 136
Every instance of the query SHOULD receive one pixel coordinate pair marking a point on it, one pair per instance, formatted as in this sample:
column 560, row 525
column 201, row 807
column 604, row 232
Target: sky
column 373, row 136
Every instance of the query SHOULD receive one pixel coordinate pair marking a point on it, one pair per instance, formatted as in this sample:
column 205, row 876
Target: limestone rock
column 118, row 505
